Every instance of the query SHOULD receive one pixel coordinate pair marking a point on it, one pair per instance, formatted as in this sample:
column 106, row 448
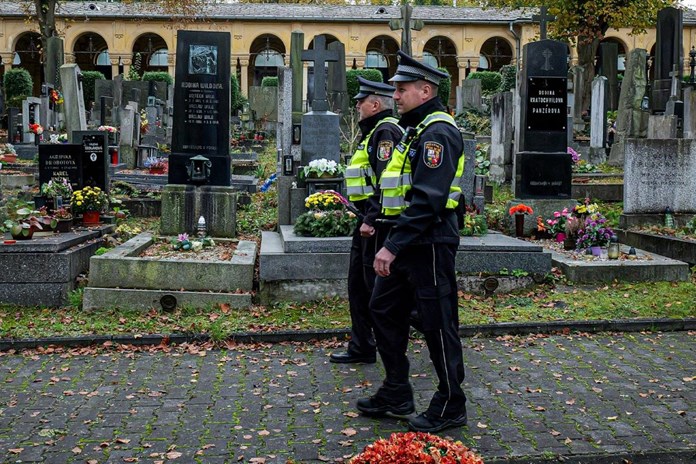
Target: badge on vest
column 384, row 151
column 432, row 154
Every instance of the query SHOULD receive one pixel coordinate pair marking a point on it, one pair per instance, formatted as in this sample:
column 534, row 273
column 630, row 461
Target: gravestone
column 201, row 105
column 31, row 114
column 48, row 113
column 95, row 162
column 471, row 94
column 320, row 127
column 662, row 126
column 103, row 88
column 578, row 83
column 466, row 182
column 543, row 168
column 689, row 113
column 63, row 160
column 598, row 120
column 139, row 91
column 74, row 103
column 609, row 68
column 297, row 66
column 501, row 137
column 668, row 52
column 337, row 85
column 631, row 120
column 14, row 123
column 264, row 102
column 284, row 126
column 660, row 174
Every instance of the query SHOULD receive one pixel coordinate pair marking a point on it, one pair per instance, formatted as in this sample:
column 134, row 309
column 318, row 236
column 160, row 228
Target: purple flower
column 183, row 237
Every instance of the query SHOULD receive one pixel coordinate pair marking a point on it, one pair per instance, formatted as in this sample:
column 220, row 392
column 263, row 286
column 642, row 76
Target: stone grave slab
column 121, row 276
column 293, row 268
column 648, row 268
column 42, row 271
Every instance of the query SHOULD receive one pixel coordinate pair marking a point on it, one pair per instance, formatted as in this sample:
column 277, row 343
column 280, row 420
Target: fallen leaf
column 76, row 450
column 173, row 455
column 349, row 432
column 264, row 433
column 481, row 425
column 16, row 450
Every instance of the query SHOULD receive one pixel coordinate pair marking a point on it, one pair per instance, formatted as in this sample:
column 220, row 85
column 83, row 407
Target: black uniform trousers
column 421, row 276
column 361, row 281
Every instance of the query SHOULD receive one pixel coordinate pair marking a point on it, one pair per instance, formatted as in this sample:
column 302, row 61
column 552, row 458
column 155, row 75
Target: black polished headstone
column 669, row 51
column 62, row 160
column 95, row 164
column 544, row 97
column 609, row 68
column 201, row 105
column 544, row 175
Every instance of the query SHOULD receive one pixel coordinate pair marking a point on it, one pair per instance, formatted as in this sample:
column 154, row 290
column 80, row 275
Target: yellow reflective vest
column 395, row 181
column 359, row 169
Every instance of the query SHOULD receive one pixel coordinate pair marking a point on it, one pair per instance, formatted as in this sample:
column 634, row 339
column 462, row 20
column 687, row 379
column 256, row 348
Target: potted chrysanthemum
column 90, row 201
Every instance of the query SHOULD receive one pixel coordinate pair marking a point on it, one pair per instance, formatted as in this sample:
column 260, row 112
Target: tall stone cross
column 405, row 24
column 543, row 19
column 319, row 55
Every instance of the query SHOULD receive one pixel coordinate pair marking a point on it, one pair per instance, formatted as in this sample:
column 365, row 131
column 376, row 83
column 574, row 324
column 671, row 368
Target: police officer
column 415, row 266
column 380, row 134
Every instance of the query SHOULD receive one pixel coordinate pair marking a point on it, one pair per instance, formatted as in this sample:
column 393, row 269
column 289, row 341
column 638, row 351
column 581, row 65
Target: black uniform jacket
column 433, row 157
column 382, row 144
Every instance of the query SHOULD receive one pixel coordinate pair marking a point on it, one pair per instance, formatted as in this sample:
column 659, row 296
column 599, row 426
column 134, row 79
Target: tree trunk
column 46, row 17
column 586, row 59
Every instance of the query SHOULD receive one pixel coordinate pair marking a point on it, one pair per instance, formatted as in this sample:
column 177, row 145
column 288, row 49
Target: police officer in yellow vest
column 380, row 134
column 415, row 266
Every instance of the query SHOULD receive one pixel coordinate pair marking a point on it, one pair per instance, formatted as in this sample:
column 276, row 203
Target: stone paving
column 578, row 398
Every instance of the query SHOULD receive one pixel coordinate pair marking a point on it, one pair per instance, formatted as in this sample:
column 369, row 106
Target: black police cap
column 368, row 88
column 410, row 70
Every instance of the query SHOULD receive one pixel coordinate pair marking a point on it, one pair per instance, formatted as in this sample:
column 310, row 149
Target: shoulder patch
column 385, row 149
column 432, row 154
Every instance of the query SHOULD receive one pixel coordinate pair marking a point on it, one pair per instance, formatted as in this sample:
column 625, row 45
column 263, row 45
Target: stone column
column 598, row 120
column 461, row 68
column 244, row 84
column 114, row 66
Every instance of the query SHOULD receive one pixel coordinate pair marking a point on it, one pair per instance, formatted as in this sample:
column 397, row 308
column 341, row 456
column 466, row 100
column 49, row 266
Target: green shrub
column 236, row 98
column 269, row 81
column 508, row 73
column 352, row 80
column 134, row 70
column 325, row 224
column 445, row 87
column 490, row 81
column 18, row 86
column 158, row 76
column 88, row 79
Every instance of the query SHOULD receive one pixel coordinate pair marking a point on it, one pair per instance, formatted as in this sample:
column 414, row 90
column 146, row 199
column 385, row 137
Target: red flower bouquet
column 416, row 448
column 521, row 209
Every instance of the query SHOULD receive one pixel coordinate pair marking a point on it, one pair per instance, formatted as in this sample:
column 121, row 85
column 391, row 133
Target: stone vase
column 519, row 225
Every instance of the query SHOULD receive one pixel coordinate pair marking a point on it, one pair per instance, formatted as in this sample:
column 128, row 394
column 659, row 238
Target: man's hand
column 366, row 230
column 383, row 260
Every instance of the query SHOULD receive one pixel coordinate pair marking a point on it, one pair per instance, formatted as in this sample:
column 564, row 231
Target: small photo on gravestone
column 203, row 59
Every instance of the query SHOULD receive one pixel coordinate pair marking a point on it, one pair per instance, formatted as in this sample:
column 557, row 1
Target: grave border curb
column 466, row 331
column 677, row 456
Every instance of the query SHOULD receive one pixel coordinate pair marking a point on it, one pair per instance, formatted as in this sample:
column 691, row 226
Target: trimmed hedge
column 490, row 81
column 445, row 87
column 18, row 86
column 269, row 81
column 158, row 76
column 352, row 80
column 88, row 79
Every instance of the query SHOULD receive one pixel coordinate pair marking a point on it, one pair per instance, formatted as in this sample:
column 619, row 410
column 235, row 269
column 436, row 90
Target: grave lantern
column 198, row 169
column 614, row 248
